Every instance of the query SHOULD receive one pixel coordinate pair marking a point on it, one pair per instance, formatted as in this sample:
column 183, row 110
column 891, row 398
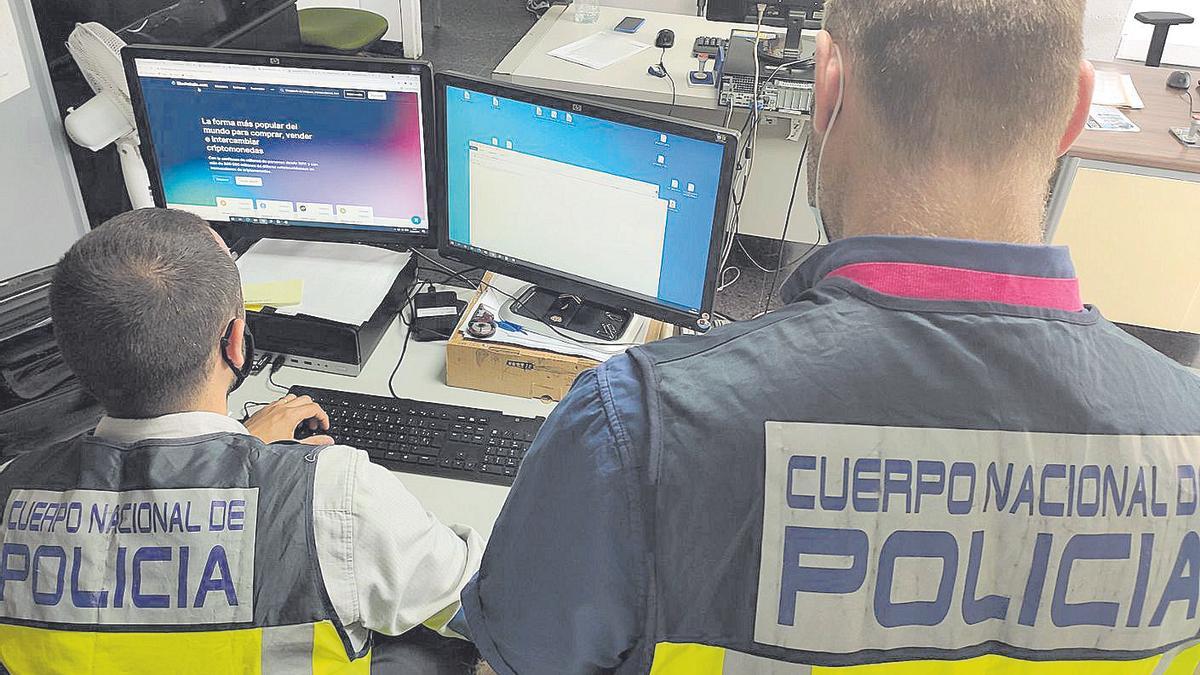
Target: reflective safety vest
column 905, row 486
column 166, row 556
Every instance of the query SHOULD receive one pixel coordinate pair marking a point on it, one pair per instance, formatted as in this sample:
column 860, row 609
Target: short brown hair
column 984, row 80
column 139, row 306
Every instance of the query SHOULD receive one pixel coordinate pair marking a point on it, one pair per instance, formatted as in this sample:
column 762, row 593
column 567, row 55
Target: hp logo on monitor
column 274, row 61
column 576, row 107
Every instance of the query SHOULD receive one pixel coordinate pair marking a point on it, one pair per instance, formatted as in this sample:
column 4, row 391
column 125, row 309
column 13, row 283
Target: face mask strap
column 239, row 374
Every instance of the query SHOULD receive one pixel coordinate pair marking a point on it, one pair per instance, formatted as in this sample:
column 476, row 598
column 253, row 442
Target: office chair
column 341, row 30
column 1162, row 22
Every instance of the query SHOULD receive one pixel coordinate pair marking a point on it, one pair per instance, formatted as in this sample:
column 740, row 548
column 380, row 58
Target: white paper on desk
column 342, row 282
column 600, row 50
column 491, row 301
column 13, row 77
column 1116, row 89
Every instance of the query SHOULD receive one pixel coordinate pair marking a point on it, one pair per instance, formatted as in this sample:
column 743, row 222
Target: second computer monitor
column 622, row 208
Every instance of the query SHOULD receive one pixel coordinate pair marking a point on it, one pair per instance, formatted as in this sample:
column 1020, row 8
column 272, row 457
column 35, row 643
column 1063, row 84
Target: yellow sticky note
column 273, row 293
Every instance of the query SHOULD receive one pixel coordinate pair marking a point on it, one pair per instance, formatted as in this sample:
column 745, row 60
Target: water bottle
column 587, row 11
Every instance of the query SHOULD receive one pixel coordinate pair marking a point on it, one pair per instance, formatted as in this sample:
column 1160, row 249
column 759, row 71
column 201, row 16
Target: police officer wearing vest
column 176, row 540
column 934, row 459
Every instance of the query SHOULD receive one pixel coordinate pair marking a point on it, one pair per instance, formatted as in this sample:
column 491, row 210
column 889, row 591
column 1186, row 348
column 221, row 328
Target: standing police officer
column 934, row 459
column 174, row 539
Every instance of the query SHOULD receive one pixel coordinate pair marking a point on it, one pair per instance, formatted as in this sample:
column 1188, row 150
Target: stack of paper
column 272, row 294
column 1117, row 90
column 340, row 282
column 600, row 50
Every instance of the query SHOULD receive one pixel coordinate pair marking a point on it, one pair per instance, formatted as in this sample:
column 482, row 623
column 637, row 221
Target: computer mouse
column 665, row 39
column 309, row 428
column 1180, row 79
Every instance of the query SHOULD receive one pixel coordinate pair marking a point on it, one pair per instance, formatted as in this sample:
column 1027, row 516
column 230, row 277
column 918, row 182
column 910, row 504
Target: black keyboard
column 426, row 438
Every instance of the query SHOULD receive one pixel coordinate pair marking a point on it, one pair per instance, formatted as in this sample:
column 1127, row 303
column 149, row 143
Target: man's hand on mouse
column 278, row 421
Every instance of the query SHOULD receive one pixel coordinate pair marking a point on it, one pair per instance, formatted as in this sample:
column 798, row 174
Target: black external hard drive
column 435, row 315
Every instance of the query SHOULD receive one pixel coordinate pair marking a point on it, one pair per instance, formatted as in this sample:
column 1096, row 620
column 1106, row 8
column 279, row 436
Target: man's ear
column 236, row 350
column 1083, row 105
column 828, row 78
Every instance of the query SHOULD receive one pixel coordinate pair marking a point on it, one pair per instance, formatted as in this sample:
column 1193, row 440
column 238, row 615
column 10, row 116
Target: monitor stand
column 558, row 315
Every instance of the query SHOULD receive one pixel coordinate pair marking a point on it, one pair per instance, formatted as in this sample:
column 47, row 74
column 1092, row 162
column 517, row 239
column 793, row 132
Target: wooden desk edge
column 1154, row 147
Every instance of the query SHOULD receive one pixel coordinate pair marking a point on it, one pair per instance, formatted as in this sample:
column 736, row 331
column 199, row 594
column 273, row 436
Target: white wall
column 1183, row 43
column 1102, row 28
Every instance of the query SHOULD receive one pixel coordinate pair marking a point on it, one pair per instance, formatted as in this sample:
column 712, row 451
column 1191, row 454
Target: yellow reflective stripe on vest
column 672, row 658
column 329, row 654
column 308, row 648
column 697, row 659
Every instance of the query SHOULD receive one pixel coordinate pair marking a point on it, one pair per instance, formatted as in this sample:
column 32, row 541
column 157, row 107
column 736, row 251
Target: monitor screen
column 293, row 146
column 627, row 206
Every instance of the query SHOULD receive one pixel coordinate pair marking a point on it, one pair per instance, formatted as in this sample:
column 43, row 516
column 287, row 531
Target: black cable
column 410, row 305
column 670, row 79
column 787, row 221
column 275, row 366
column 278, row 387
column 246, row 408
column 740, row 195
column 451, row 276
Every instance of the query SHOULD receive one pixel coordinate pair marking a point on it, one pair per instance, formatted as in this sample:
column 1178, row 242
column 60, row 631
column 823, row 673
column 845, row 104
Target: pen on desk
column 511, row 327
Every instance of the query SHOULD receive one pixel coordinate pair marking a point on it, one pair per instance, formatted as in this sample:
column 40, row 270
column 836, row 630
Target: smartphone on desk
column 630, row 24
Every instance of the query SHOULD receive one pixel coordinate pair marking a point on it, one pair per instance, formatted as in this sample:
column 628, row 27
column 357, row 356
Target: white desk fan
column 108, row 117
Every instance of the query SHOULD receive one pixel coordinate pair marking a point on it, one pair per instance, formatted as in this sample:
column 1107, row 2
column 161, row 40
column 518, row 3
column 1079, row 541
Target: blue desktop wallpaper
column 611, row 147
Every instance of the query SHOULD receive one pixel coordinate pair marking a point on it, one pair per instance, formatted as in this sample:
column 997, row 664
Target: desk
column 1126, row 204
column 626, row 83
column 1154, row 147
column 422, row 376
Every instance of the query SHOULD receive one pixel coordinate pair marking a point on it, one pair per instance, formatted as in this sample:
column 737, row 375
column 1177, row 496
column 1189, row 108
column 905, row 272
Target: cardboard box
column 517, row 371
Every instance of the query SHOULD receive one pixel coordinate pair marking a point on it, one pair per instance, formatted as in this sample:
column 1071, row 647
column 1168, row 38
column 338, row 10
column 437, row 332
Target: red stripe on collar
column 932, row 282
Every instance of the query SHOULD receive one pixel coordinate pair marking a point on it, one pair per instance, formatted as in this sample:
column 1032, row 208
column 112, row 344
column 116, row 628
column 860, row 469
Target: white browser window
column 278, row 75
column 583, row 222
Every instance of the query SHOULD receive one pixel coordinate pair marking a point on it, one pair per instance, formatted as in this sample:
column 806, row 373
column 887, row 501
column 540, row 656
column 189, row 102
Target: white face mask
column 837, row 109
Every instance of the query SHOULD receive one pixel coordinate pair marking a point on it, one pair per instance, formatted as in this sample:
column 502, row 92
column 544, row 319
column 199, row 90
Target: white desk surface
column 422, row 376
column 528, row 63
column 766, row 206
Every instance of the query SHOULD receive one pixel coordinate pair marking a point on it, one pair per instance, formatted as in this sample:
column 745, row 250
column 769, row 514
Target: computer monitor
column 292, row 146
column 602, row 204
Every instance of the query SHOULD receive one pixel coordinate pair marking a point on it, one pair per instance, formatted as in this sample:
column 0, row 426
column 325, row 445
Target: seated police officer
column 934, row 459
column 175, row 539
